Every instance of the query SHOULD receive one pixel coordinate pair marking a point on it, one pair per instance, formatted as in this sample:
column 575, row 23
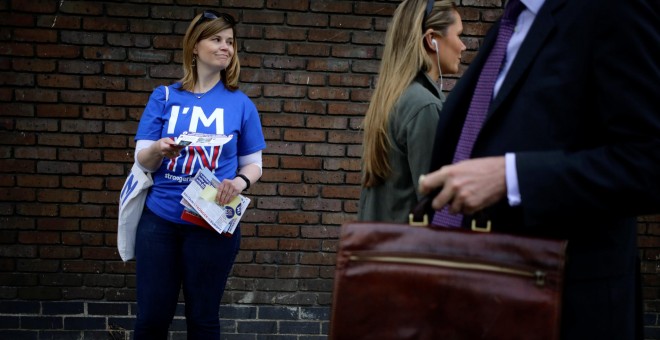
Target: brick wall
column 74, row 78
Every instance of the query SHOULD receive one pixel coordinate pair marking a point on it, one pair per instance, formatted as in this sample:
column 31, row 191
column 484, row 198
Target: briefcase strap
column 421, row 214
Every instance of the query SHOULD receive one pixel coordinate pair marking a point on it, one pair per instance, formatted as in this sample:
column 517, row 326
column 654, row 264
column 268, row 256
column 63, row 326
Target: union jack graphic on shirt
column 193, row 158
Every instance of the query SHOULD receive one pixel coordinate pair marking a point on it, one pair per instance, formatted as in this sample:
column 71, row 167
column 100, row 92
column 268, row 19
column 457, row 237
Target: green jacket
column 412, row 126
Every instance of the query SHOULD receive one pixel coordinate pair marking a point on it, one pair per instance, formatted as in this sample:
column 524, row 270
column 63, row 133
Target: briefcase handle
column 420, row 215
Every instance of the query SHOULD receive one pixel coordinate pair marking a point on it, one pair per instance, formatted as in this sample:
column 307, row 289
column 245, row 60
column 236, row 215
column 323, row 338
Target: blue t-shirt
column 219, row 111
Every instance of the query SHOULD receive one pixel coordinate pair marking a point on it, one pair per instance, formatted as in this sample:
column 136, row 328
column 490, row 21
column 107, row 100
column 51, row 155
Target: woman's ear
column 428, row 39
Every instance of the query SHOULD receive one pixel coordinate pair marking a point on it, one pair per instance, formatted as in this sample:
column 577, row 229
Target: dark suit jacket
column 580, row 107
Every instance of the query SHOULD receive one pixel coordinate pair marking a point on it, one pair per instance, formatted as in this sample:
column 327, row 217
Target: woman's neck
column 206, row 81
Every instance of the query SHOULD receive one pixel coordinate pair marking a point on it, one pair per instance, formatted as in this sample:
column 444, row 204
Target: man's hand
column 467, row 186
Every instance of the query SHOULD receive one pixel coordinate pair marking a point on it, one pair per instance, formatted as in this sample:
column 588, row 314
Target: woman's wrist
column 247, row 181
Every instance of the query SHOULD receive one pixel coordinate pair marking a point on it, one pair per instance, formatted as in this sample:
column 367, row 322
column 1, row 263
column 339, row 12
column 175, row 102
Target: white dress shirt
column 523, row 24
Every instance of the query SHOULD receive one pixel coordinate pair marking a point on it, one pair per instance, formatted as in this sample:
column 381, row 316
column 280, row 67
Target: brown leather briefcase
column 395, row 281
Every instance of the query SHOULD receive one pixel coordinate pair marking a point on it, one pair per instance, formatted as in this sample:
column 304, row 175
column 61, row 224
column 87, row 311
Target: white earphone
column 437, row 55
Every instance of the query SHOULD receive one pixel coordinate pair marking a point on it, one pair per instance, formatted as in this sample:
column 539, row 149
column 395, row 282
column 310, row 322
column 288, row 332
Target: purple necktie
column 481, row 99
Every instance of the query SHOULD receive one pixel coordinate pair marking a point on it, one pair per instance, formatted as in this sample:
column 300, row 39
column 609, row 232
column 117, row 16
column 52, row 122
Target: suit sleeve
column 620, row 177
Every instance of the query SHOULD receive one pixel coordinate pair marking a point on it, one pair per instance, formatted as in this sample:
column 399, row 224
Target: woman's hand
column 167, row 148
column 229, row 189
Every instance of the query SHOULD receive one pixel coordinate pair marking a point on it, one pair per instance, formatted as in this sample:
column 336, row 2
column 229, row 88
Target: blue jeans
column 170, row 256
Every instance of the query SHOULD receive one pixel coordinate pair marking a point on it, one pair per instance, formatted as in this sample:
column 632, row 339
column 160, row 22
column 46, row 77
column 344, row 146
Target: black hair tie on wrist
column 247, row 181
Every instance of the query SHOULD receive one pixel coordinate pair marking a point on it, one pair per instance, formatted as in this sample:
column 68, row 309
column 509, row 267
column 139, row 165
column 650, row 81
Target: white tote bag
column 131, row 203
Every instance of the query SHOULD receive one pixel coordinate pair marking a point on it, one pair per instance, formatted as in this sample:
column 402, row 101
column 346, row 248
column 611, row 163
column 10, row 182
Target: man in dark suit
column 569, row 147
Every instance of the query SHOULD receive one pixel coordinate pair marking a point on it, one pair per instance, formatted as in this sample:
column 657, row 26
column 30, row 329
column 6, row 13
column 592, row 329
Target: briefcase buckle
column 485, row 229
column 424, row 222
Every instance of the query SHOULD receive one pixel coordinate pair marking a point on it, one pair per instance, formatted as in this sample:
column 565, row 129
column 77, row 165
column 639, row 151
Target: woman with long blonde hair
column 421, row 43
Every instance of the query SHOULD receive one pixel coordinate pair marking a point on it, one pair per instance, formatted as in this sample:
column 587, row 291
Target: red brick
column 305, row 78
column 83, row 97
column 282, row 120
column 350, row 22
column 358, row 95
column 16, row 110
column 304, row 106
column 304, row 135
column 86, row 8
column 33, row 65
column 284, row 33
column 35, row 35
column 127, row 69
column 365, row 66
column 355, row 52
column 17, row 194
column 368, row 38
column 105, row 24
column 288, row 162
column 331, row 6
column 325, row 93
column 284, row 148
column 307, row 49
column 280, row 176
column 19, row 79
column 59, row 252
column 306, row 19
column 286, row 63
column 66, row 81
column 58, row 224
column 268, row 105
column 61, row 196
column 323, row 177
column 292, row 217
column 38, row 181
column 86, row 239
column 79, row 210
column 325, row 150
column 102, row 169
column 303, row 245
column 327, row 35
column 328, row 65
column 59, row 22
column 279, row 231
column 99, row 253
column 340, row 192
column 105, row 83
column 108, row 224
column 273, row 257
column 37, row 266
column 287, row 91
column 345, row 137
column 320, row 232
column 337, row 218
column 298, row 272
column 295, row 190
column 17, row 166
column 104, row 141
column 318, row 259
column 18, row 19
column 40, row 237
column 16, row 49
column 254, row 271
column 316, row 204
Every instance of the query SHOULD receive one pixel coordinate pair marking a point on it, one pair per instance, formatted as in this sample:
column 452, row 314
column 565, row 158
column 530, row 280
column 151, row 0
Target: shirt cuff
column 512, row 190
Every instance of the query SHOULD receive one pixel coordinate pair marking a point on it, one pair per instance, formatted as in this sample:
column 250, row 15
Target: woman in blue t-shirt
column 170, row 252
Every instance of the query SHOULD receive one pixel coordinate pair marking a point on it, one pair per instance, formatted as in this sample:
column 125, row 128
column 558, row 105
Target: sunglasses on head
column 212, row 15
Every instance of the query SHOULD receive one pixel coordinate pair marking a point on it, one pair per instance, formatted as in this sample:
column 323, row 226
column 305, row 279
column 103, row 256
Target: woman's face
column 215, row 52
column 451, row 46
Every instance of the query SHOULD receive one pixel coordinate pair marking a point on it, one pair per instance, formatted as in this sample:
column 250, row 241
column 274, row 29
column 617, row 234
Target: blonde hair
column 404, row 56
column 204, row 30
